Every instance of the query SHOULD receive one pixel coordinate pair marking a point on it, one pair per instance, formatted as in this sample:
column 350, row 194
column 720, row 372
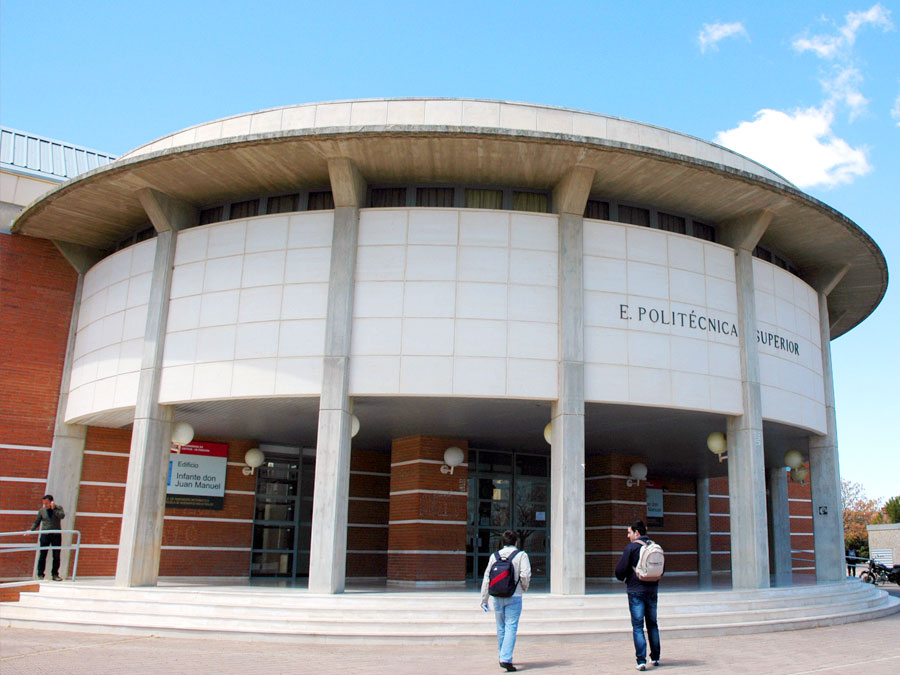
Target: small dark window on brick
column 702, row 231
column 283, row 204
column 435, row 197
column 246, row 209
column 596, row 210
column 634, row 216
column 387, row 197
column 320, row 201
column 213, row 215
column 671, row 223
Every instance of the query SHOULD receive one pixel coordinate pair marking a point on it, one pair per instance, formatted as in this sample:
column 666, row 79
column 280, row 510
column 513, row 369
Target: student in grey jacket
column 48, row 518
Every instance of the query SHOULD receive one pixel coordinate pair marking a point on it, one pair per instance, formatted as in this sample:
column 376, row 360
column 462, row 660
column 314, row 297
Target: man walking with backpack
column 507, row 575
column 641, row 567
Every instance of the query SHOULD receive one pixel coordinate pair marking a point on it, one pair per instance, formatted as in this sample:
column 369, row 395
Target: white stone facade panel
column 110, row 331
column 790, row 354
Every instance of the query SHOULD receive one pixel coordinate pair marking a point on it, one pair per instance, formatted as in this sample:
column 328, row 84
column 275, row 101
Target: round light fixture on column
column 354, row 425
column 717, row 444
column 638, row 473
column 793, row 459
column 182, row 434
column 799, row 475
column 453, row 457
column 253, row 458
column 548, row 433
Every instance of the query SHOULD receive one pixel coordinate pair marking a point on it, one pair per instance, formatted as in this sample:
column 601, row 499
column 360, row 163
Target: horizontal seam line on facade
column 427, row 522
column 370, row 473
column 429, row 492
column 206, row 548
column 680, row 494
column 107, row 454
column 418, row 551
column 365, row 525
column 368, row 499
column 239, row 492
column 368, row 552
column 216, row 520
column 422, row 461
column 36, row 448
column 101, row 484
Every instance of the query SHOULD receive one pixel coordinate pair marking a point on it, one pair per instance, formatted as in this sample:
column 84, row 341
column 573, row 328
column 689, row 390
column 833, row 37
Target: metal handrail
column 14, row 548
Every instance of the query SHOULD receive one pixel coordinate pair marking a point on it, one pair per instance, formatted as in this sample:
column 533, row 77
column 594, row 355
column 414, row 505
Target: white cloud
column 895, row 111
column 831, row 46
column 800, row 145
column 713, row 33
column 842, row 82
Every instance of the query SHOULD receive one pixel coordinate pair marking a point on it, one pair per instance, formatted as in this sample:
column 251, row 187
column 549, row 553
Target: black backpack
column 502, row 581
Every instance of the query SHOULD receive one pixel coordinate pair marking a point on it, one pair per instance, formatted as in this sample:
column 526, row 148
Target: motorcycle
column 879, row 574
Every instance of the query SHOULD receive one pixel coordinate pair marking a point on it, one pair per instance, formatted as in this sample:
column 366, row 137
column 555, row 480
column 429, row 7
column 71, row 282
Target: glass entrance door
column 507, row 491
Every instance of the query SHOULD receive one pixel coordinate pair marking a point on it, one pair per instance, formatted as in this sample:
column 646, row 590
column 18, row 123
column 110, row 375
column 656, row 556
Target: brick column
column 427, row 526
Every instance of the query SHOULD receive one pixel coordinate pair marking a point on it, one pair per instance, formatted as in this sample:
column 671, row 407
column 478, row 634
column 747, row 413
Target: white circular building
column 462, row 273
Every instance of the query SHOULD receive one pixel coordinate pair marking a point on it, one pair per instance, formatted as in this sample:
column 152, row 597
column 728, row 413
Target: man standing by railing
column 48, row 519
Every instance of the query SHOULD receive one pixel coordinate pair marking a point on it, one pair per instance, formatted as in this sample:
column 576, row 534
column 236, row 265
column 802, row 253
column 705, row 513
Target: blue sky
column 811, row 89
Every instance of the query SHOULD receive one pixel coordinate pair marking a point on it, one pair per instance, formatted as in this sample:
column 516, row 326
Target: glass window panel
column 538, row 565
column 271, row 564
column 496, row 462
column 532, row 465
column 533, row 540
column 320, row 201
column 484, row 199
column 387, row 197
column 246, row 209
column 434, row 197
column 213, row 215
column 671, row 223
column 273, row 537
column 706, row 232
column 268, row 508
column 634, row 216
column 596, row 210
column 283, row 204
column 530, row 201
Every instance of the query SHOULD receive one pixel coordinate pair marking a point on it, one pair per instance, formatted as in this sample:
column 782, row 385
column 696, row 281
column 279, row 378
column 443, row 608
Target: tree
column 892, row 509
column 859, row 511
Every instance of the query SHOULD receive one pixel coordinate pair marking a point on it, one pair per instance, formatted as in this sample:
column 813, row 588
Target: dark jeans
column 49, row 540
column 643, row 609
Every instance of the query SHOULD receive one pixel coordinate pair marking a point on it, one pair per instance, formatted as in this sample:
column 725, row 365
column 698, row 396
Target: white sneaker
column 655, row 663
column 641, row 666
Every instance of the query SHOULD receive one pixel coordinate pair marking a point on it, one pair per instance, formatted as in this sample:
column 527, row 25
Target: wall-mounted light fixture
column 794, row 460
column 548, row 433
column 253, row 458
column 354, row 425
column 453, row 457
column 717, row 444
column 638, row 473
column 182, row 434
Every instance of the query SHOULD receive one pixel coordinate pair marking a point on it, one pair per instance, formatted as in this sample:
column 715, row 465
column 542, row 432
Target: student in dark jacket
column 48, row 518
column 641, row 597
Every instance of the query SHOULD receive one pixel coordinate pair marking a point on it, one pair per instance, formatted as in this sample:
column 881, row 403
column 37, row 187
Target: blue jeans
column 507, row 612
column 643, row 608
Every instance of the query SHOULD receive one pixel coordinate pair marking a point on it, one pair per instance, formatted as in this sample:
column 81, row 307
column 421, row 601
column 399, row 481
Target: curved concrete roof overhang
column 474, row 142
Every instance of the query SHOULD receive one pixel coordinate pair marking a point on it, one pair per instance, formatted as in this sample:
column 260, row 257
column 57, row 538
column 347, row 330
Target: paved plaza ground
column 870, row 647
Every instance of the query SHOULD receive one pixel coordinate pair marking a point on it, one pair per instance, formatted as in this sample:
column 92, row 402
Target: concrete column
column 780, row 530
column 704, row 535
column 67, row 455
column 151, row 436
column 746, row 461
column 824, row 467
column 328, row 540
column 567, row 521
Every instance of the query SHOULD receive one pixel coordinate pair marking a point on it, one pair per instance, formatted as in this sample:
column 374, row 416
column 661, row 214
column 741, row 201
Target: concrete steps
column 296, row 615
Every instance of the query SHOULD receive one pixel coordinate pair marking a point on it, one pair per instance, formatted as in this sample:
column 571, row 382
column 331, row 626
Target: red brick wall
column 415, row 470
column 367, row 518
column 186, row 532
column 610, row 505
column 37, row 291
